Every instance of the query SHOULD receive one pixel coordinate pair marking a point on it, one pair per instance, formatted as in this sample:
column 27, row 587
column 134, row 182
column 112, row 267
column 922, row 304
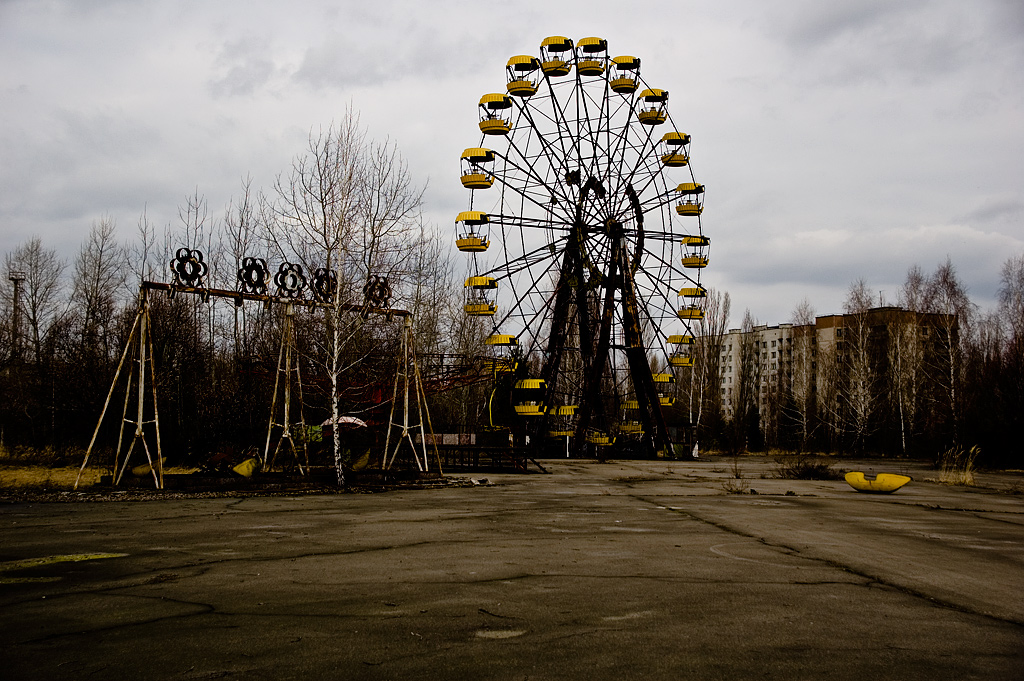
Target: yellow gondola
column 563, row 410
column 491, row 120
column 626, row 73
column 693, row 292
column 690, row 312
column 477, row 168
column 529, row 393
column 680, row 361
column 673, row 149
column 552, row 50
column 521, row 81
column 663, row 378
column 502, row 339
column 630, row 404
column 593, row 53
column 467, row 239
column 598, row 439
column 480, row 308
column 666, row 401
column 481, row 283
column 695, row 261
column 631, row 427
column 655, row 114
column 679, row 339
column 695, row 240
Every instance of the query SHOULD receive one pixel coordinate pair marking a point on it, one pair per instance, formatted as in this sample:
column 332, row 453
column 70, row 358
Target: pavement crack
column 870, row 578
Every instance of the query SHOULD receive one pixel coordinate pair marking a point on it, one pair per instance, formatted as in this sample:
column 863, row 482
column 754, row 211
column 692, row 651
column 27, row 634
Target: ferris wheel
column 584, row 243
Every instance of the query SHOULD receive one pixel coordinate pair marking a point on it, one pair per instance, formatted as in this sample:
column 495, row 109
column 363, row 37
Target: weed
column 805, row 467
column 956, row 466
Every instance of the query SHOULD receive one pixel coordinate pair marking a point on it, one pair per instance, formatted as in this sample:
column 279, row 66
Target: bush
column 806, row 467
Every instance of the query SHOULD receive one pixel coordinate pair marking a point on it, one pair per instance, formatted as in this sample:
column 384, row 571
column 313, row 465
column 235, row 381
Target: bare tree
column 350, row 207
column 97, row 278
column 860, row 370
column 704, row 393
column 42, row 292
column 948, row 298
column 802, row 381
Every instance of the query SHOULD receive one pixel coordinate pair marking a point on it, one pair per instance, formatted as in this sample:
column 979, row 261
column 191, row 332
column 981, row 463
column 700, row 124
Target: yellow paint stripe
column 28, row 563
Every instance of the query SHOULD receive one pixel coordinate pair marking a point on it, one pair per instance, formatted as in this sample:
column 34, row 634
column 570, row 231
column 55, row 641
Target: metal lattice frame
column 589, row 235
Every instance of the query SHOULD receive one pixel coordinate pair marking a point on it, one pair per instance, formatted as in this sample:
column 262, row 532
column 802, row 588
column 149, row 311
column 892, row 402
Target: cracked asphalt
column 598, row 571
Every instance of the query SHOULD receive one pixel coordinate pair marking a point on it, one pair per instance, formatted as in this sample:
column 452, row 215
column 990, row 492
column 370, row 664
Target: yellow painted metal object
column 520, row 82
column 593, row 52
column 478, row 155
column 472, row 217
column 248, row 468
column 491, row 106
column 686, row 188
column 674, row 139
column 561, row 433
column 563, row 410
column 689, row 208
column 530, row 384
column 530, row 409
column 681, row 361
column 663, row 378
column 679, row 339
column 675, row 159
column 651, row 116
column 623, row 86
column 667, row 401
column 627, row 67
column 690, row 311
column 655, row 115
column 502, row 339
column 551, row 64
column 598, row 439
column 631, row 427
column 480, row 309
column 555, row 68
column 477, row 181
column 696, row 240
column 693, row 292
column 481, row 283
column 673, row 146
column 630, row 404
column 883, row 483
column 495, row 126
column 695, row 261
column 522, row 88
column 472, row 243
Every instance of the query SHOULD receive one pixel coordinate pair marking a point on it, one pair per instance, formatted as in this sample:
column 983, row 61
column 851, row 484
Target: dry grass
column 956, row 466
column 26, row 477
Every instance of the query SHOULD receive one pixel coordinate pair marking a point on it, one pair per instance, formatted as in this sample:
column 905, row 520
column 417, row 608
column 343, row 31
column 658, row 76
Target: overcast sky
column 837, row 140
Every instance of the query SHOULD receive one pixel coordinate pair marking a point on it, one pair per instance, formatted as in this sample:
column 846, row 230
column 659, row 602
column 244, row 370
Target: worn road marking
column 13, row 565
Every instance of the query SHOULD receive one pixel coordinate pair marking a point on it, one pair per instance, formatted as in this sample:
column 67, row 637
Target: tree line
column 928, row 374
column 347, row 206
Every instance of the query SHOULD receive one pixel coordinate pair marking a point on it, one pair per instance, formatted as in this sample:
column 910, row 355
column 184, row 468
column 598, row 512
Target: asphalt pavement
column 624, row 570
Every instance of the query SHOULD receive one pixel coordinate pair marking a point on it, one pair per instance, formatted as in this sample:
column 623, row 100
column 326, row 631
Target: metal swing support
column 287, row 365
column 401, row 431
column 140, row 347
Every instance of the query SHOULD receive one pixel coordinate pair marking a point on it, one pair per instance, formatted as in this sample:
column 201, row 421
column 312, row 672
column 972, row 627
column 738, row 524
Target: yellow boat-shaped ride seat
column 884, row 483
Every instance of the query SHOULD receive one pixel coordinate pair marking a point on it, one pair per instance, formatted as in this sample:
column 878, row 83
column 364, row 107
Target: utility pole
column 16, row 277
